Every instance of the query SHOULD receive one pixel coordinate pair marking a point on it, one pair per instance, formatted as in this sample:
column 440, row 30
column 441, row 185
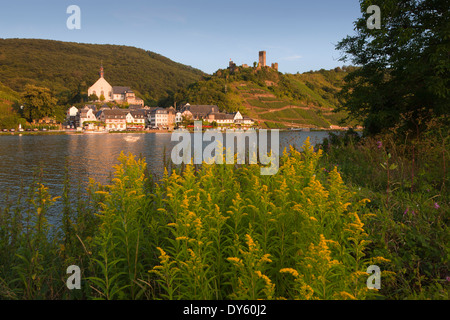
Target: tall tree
column 404, row 66
column 38, row 102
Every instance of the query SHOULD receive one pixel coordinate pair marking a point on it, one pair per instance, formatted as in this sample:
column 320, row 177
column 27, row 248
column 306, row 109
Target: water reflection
column 90, row 156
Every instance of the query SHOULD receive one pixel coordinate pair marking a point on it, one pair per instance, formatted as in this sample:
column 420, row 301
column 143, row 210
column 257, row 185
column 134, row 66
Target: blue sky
column 299, row 35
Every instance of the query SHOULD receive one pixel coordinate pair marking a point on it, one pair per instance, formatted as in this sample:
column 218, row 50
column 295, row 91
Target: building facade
column 102, row 89
column 162, row 118
column 113, row 119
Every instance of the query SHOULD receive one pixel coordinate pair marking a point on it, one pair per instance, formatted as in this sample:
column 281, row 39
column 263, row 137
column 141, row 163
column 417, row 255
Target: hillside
column 8, row 117
column 70, row 68
column 272, row 98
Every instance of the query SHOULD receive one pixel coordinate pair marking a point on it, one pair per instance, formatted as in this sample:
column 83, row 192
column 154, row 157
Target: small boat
column 131, row 139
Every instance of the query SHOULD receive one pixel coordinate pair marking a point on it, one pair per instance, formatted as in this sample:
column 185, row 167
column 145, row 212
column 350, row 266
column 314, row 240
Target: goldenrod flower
column 291, row 271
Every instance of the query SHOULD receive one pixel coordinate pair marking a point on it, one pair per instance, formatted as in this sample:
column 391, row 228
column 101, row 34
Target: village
column 113, row 116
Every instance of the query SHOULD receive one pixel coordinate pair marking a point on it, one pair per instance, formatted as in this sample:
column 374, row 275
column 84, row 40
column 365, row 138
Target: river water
column 90, row 156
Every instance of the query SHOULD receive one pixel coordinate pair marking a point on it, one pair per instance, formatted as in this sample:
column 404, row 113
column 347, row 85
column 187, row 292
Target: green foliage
column 226, row 232
column 407, row 182
column 73, row 67
column 119, row 250
column 254, row 92
column 212, row 232
column 38, row 103
column 306, row 116
column 404, row 74
column 93, row 97
column 9, row 118
column 213, row 91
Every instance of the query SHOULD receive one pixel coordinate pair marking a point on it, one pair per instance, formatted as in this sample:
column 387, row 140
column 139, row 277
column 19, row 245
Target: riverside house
column 136, row 119
column 212, row 114
column 162, row 118
column 86, row 115
column 114, row 119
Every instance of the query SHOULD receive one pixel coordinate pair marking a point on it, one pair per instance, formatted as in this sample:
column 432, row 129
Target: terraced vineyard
column 273, row 99
column 274, row 112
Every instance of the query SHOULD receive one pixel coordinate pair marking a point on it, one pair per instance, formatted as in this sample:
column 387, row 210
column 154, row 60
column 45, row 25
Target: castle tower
column 262, row 58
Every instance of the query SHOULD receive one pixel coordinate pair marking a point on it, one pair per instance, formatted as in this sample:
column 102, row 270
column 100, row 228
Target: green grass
column 274, row 125
column 295, row 115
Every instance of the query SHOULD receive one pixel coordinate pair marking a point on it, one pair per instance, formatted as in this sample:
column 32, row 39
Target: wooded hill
column 274, row 99
column 68, row 69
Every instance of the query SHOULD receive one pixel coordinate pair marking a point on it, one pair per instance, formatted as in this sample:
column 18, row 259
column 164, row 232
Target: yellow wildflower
column 236, row 261
column 265, row 258
column 380, row 260
column 346, row 295
column 291, row 271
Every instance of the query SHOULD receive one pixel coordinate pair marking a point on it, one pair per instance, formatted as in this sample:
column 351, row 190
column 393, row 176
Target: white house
column 71, row 113
column 129, row 118
column 162, row 117
column 86, row 114
column 238, row 116
column 72, row 116
column 136, row 119
column 223, row 118
column 248, row 121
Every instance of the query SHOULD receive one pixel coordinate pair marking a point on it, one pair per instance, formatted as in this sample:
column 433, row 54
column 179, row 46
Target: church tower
column 101, row 87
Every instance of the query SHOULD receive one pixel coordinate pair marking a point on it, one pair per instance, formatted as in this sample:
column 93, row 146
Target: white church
column 113, row 94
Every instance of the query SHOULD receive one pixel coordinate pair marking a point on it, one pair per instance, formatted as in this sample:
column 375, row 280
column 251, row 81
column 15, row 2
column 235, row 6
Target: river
column 90, row 156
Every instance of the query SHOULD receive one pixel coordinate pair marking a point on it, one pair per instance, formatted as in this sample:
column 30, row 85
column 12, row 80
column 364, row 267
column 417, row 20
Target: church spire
column 101, row 70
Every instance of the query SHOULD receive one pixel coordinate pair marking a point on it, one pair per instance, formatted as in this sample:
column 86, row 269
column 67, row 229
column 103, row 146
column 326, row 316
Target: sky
column 298, row 34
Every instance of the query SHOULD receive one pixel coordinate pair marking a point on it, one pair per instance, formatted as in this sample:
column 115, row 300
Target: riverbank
column 71, row 132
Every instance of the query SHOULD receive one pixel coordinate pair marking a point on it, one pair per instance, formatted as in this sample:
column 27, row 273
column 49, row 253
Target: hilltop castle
column 261, row 64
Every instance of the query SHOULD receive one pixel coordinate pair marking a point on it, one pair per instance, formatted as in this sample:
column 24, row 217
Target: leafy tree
column 102, row 97
column 186, row 120
column 93, row 97
column 404, row 75
column 38, row 102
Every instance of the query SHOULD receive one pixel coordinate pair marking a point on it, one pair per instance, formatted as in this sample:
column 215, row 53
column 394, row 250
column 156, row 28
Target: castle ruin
column 261, row 64
column 262, row 58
